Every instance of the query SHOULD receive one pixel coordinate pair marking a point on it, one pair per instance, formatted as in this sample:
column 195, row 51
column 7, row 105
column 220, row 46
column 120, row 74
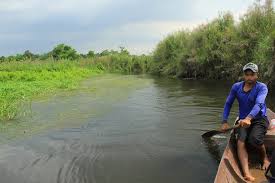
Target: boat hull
column 229, row 170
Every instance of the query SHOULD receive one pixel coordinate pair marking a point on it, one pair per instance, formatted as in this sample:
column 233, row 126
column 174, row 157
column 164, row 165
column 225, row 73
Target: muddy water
column 117, row 129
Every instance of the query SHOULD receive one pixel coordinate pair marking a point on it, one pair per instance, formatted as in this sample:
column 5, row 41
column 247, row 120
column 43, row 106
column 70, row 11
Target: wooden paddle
column 216, row 132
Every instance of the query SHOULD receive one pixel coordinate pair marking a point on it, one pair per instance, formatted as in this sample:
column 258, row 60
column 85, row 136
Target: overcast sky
column 138, row 25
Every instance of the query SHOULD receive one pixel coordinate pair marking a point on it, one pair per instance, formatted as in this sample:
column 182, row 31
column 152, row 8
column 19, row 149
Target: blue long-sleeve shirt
column 251, row 103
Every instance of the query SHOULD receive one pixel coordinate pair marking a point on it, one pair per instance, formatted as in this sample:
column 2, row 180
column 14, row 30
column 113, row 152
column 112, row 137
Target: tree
column 28, row 55
column 2, row 59
column 91, row 54
column 104, row 53
column 123, row 50
column 63, row 51
column 19, row 57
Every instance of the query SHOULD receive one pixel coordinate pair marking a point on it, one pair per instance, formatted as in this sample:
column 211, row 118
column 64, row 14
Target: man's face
column 250, row 76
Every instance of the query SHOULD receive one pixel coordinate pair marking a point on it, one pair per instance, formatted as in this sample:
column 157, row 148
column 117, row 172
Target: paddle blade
column 216, row 132
column 211, row 133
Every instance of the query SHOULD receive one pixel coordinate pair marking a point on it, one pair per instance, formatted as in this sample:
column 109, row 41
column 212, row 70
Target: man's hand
column 245, row 122
column 224, row 126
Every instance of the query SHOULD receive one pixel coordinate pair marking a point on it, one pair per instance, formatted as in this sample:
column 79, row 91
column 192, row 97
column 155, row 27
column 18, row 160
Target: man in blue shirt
column 251, row 96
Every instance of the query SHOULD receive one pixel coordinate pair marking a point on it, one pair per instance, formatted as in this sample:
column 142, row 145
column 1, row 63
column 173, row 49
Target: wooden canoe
column 229, row 170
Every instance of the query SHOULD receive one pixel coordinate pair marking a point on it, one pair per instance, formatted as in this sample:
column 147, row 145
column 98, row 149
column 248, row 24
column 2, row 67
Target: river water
column 118, row 129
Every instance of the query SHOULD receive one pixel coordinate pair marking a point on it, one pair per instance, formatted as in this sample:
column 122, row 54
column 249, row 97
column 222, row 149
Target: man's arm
column 260, row 101
column 228, row 104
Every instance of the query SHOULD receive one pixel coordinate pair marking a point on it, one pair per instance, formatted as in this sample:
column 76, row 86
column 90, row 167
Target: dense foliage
column 220, row 48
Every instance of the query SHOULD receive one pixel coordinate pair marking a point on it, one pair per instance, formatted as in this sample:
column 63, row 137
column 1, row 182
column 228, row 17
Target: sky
column 137, row 25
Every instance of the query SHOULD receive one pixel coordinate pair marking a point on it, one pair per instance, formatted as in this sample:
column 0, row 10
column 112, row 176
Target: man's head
column 250, row 73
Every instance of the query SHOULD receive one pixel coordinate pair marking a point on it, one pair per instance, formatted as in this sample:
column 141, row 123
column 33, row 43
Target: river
column 118, row 129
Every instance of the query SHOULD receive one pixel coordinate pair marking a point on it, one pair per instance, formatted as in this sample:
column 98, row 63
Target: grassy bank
column 21, row 81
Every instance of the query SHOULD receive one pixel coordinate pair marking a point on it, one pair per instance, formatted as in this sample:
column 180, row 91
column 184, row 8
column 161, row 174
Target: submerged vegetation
column 216, row 50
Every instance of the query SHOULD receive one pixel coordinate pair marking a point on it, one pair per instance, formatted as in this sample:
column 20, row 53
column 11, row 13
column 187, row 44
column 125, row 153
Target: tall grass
column 218, row 49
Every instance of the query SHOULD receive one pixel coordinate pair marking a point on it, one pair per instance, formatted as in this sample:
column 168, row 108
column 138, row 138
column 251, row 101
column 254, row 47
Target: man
column 251, row 96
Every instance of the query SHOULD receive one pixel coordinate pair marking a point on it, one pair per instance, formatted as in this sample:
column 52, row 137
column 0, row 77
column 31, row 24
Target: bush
column 62, row 52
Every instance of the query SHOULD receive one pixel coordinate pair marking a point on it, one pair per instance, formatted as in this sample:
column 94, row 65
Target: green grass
column 20, row 82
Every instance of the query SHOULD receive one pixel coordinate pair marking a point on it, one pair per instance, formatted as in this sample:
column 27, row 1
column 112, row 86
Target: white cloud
column 211, row 9
column 237, row 15
column 158, row 28
column 153, row 30
column 138, row 38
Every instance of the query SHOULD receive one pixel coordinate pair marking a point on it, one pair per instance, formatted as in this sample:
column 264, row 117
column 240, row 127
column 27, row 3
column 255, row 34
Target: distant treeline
column 219, row 49
column 108, row 60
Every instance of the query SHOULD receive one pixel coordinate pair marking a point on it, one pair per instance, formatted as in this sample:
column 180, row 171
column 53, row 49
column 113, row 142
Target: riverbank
column 20, row 82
